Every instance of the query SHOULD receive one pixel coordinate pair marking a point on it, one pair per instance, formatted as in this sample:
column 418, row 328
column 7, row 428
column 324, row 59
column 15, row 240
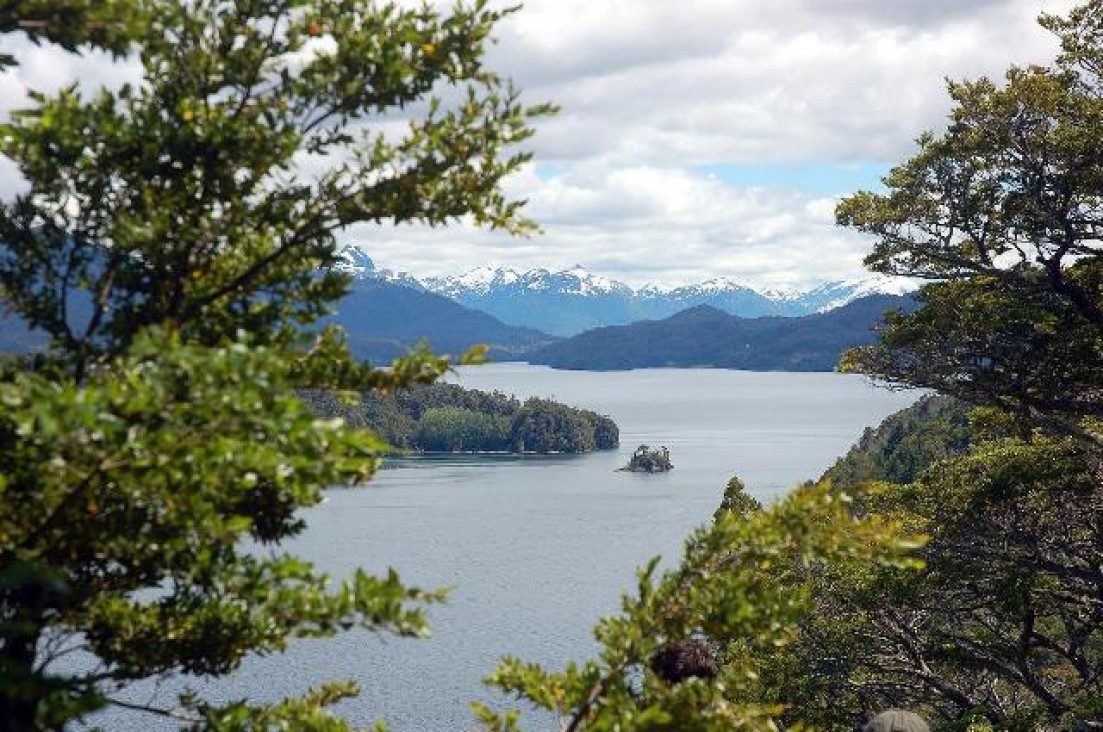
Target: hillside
column 899, row 448
column 383, row 319
column 706, row 336
column 571, row 301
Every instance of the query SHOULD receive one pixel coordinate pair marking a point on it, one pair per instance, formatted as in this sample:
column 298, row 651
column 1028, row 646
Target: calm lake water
column 538, row 548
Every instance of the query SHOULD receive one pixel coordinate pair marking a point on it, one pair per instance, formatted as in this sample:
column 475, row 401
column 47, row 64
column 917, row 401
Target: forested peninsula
column 442, row 418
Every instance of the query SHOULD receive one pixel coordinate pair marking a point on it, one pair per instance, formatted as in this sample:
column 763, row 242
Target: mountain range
column 384, row 314
column 567, row 302
column 704, row 336
column 384, row 319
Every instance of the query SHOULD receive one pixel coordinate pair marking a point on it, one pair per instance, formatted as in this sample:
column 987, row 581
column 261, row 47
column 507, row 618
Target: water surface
column 537, row 548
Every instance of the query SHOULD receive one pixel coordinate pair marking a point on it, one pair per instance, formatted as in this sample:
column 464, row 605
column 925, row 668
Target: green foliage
column 905, row 443
column 1004, row 622
column 1003, row 628
column 1010, row 191
column 736, row 500
column 544, row 426
column 449, row 418
column 1029, row 354
column 106, row 24
column 450, row 429
column 740, row 586
column 150, row 475
column 647, row 459
column 179, row 258
column 1004, row 210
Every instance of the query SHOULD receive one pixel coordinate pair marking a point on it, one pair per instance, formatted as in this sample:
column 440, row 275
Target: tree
column 996, row 619
column 736, row 499
column 174, row 250
column 187, row 209
column 905, row 443
column 679, row 655
column 454, row 429
column 647, row 459
column 105, row 24
column 1004, row 210
column 1004, row 621
column 544, row 426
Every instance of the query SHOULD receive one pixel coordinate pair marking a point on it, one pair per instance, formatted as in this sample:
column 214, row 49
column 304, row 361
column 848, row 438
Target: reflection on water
column 538, row 547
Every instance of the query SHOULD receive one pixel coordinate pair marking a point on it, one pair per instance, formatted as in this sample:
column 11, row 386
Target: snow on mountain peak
column 355, row 262
column 717, row 285
column 489, row 281
column 592, row 284
column 782, row 293
column 480, row 280
column 837, row 294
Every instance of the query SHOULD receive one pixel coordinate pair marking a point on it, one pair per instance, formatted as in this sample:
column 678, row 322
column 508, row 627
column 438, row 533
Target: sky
column 697, row 138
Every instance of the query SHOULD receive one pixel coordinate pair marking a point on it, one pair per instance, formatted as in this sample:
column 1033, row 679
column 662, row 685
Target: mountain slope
column 906, row 443
column 573, row 300
column 16, row 337
column 383, row 319
column 562, row 303
column 707, row 336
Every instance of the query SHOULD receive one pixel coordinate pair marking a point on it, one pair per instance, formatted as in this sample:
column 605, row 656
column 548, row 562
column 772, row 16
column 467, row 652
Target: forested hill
column 383, row 320
column 448, row 418
column 706, row 336
column 934, row 428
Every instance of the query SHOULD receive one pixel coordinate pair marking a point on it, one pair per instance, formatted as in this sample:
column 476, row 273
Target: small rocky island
column 649, row 460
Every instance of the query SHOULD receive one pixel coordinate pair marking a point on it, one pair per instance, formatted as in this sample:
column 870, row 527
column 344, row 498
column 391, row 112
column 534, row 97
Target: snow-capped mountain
column 836, row 294
column 572, row 300
column 358, row 264
column 563, row 302
column 484, row 280
column 479, row 280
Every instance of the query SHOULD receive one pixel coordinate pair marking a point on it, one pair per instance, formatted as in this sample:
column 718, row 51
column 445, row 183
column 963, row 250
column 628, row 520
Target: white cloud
column 645, row 224
column 656, row 93
column 651, row 90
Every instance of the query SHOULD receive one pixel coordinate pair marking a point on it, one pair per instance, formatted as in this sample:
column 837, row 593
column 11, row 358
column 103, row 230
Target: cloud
column 645, row 224
column 738, row 82
column 681, row 122
column 656, row 94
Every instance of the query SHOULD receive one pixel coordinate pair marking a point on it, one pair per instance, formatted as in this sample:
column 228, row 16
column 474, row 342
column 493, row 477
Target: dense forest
column 444, row 417
column 905, row 443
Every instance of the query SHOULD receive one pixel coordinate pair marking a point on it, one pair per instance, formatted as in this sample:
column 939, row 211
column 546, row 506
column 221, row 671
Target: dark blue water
column 538, row 548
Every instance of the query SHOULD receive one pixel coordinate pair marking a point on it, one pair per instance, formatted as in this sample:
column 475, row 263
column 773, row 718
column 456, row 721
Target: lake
column 538, row 548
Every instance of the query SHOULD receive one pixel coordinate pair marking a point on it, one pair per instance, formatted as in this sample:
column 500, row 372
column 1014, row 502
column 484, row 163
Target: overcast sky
column 698, row 138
